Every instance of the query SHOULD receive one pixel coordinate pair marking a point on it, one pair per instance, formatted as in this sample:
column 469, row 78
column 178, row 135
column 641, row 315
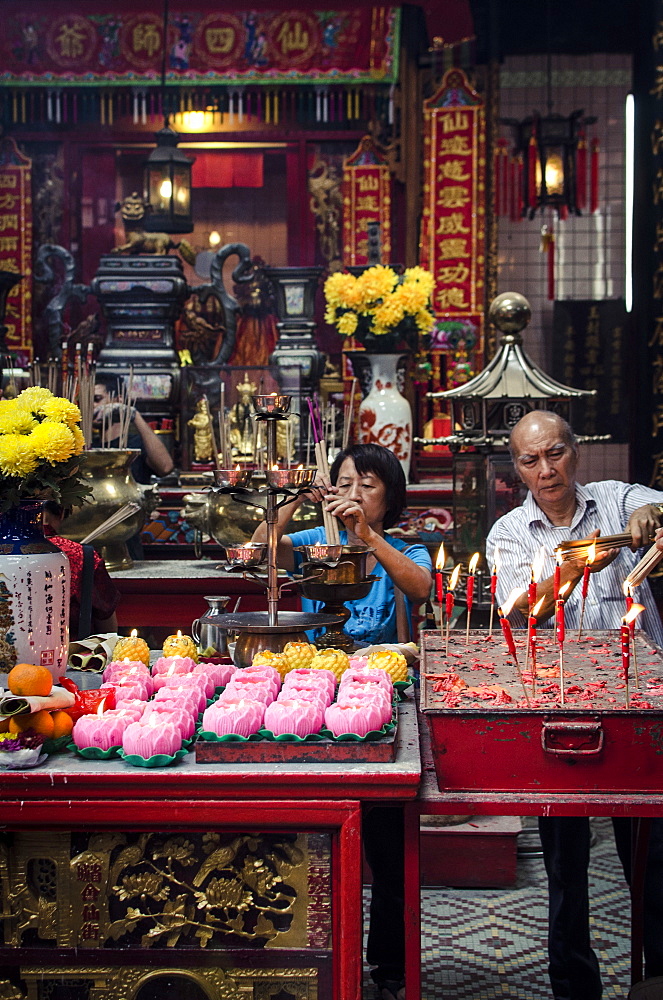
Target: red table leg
column 348, row 913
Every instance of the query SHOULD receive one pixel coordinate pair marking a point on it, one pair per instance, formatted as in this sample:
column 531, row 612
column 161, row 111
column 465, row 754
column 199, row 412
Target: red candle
column 508, row 635
column 439, row 575
column 493, row 585
column 556, row 580
column 585, row 580
column 626, row 649
column 449, row 604
column 531, row 594
column 559, row 621
column 469, row 594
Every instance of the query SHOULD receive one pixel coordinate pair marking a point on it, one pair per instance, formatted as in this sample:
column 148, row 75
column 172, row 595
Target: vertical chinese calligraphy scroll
column 16, row 244
column 367, row 196
column 453, row 228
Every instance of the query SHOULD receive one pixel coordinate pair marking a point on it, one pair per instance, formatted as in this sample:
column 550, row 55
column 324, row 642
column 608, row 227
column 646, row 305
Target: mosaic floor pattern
column 485, row 944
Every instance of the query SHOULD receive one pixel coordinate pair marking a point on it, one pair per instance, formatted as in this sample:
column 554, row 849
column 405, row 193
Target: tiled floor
column 491, row 943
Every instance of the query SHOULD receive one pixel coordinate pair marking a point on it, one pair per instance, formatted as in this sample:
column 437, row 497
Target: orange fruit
column 41, row 722
column 62, row 723
column 29, row 679
column 4, row 725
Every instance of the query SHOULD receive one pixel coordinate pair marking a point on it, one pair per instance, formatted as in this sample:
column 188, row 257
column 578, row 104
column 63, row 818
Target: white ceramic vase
column 385, row 416
column 34, row 593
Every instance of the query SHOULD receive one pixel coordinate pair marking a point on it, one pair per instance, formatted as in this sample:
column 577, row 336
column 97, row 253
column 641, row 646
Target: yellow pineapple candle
column 390, row 660
column 132, row 648
column 332, row 659
column 276, row 660
column 180, row 645
column 299, row 654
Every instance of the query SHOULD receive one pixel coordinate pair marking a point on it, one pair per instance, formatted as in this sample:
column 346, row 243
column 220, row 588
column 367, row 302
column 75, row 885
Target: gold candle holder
column 271, row 405
column 290, row 479
column 232, row 477
column 247, row 556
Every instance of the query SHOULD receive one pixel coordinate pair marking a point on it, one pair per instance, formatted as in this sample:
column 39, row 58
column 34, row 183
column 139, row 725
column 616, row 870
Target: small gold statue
column 132, row 209
column 203, row 441
column 241, row 423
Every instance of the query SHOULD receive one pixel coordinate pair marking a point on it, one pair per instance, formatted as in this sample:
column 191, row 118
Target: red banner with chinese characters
column 367, row 196
column 16, row 244
column 76, row 42
column 453, row 228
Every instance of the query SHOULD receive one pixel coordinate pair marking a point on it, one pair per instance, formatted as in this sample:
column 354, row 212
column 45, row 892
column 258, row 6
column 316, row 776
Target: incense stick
column 120, row 515
column 641, row 571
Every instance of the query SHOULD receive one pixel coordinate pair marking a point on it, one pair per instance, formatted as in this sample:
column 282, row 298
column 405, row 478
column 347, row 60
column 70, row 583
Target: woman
column 367, row 494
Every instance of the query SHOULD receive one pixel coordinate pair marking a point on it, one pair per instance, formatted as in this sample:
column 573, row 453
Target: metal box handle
column 572, row 739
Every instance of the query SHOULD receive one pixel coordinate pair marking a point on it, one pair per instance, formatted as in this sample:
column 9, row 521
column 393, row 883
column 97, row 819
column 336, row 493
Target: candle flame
column 537, row 565
column 474, row 562
column 591, row 553
column 632, row 614
column 563, row 591
column 275, row 467
column 510, row 601
column 536, row 610
column 559, row 556
column 134, row 633
column 496, row 561
column 300, row 466
column 238, row 468
column 441, row 558
column 454, row 577
column 179, row 633
column 100, row 710
column 627, row 589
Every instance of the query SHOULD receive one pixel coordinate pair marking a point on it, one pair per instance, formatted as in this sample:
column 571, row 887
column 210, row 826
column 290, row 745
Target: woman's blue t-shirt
column 373, row 618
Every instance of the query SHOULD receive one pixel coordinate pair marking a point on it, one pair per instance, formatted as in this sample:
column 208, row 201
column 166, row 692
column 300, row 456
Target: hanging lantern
column 167, row 186
column 549, row 147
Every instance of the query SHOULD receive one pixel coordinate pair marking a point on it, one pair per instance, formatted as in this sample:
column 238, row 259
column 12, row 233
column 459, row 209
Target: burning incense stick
column 453, row 580
column 120, row 515
column 508, row 635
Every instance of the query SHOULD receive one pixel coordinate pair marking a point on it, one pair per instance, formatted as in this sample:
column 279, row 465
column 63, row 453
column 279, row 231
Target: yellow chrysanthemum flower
column 424, row 320
column 340, row 289
column 15, row 419
column 376, row 283
column 62, row 411
column 347, row 324
column 34, row 398
column 411, row 297
column 17, row 458
column 330, row 315
column 79, row 440
column 52, row 441
column 389, row 314
column 420, row 276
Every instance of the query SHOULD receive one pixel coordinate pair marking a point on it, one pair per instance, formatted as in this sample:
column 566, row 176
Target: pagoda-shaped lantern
column 483, row 413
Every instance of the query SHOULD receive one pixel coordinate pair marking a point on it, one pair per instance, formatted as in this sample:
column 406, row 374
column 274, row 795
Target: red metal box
column 485, row 735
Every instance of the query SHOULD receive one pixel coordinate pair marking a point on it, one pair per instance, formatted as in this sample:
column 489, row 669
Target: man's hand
column 642, row 524
column 601, row 559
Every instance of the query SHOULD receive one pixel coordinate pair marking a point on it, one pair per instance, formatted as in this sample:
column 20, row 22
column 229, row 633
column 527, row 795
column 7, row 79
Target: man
column 154, row 459
column 557, row 508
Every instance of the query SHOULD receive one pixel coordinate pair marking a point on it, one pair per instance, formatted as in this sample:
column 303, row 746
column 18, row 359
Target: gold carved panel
column 192, row 890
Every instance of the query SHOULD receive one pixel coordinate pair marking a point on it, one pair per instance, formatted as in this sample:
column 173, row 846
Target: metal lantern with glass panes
column 483, row 413
column 167, row 186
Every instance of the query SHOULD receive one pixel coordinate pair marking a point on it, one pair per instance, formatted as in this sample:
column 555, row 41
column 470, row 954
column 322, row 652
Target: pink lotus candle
column 360, row 718
column 261, row 670
column 315, row 695
column 247, row 676
column 357, row 663
column 167, row 712
column 130, row 689
column 369, row 690
column 184, row 698
column 148, row 739
column 135, row 668
column 236, row 716
column 368, row 674
column 133, row 713
column 219, row 672
column 384, row 711
column 258, row 688
column 173, row 665
column 293, row 716
column 97, row 731
column 324, row 679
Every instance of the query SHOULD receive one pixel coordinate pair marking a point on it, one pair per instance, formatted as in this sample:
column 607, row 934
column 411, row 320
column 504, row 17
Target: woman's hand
column 351, row 513
column 319, row 490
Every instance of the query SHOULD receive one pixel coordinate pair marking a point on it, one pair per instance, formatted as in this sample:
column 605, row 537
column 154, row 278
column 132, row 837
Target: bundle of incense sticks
column 329, row 521
column 579, row 549
column 120, row 515
column 649, row 561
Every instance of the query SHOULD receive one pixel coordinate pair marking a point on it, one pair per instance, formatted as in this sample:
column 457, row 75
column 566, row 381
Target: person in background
column 105, row 596
column 556, row 509
column 154, row 458
column 367, row 493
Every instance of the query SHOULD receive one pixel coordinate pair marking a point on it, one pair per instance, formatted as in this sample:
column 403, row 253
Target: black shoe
column 391, row 989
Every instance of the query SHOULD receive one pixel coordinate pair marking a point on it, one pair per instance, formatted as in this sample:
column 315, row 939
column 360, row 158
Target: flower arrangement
column 40, row 442
column 380, row 307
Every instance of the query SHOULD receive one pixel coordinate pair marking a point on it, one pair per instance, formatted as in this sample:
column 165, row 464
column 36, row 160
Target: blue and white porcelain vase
column 34, row 593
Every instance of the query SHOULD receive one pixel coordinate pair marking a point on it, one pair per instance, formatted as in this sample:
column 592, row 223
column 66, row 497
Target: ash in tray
column 481, row 675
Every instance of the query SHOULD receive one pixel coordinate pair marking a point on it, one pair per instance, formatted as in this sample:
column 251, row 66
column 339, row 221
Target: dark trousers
column 573, row 966
column 384, row 846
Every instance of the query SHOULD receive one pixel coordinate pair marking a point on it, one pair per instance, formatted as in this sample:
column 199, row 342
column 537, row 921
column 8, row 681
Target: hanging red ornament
column 594, row 177
column 518, row 207
column 532, row 157
column 581, row 173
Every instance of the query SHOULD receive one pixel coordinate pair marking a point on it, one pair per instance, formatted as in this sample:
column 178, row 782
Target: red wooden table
column 431, row 801
column 68, row 793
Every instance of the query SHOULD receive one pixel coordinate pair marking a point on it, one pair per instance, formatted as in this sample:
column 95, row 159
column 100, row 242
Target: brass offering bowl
column 320, row 555
column 271, row 405
column 232, row 477
column 247, row 556
column 334, row 596
column 255, row 634
column 290, row 479
column 350, row 568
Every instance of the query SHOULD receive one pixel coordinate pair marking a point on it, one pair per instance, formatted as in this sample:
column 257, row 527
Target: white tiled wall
column 589, row 249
